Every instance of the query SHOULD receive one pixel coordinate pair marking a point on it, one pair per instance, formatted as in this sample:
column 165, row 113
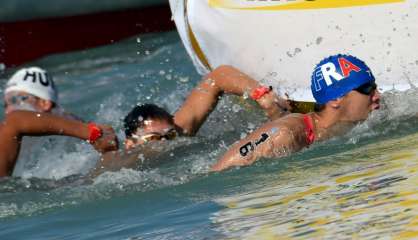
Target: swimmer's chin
column 375, row 106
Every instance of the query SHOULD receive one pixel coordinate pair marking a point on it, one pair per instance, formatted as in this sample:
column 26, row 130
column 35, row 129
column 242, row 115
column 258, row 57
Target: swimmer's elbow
column 10, row 123
column 223, row 165
column 223, row 69
column 227, row 162
column 222, row 72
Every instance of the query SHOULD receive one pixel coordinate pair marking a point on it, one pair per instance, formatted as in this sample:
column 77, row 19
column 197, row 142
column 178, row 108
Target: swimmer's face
column 358, row 104
column 153, row 130
column 23, row 101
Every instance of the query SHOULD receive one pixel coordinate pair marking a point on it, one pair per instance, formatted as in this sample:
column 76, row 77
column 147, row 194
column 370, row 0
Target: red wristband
column 260, row 92
column 94, row 132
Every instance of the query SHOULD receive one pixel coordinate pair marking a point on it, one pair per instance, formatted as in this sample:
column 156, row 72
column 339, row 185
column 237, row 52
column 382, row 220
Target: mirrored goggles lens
column 20, row 107
column 367, row 88
column 18, row 102
column 17, row 99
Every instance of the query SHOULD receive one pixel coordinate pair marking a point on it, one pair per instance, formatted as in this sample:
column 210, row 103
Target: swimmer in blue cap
column 345, row 92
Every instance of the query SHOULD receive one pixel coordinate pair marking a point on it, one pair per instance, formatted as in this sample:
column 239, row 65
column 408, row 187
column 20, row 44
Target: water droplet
column 243, row 135
column 141, row 157
column 319, row 40
column 236, row 108
column 184, row 79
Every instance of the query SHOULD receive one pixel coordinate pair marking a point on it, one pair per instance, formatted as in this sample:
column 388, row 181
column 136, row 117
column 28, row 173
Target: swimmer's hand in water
column 108, row 141
column 275, row 106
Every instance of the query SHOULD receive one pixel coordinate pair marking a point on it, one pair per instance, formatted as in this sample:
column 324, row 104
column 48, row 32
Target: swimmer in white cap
column 33, row 89
column 30, row 89
column 31, row 108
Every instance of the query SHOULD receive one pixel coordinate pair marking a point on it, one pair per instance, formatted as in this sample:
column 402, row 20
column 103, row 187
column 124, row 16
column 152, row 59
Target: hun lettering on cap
column 328, row 70
column 43, row 78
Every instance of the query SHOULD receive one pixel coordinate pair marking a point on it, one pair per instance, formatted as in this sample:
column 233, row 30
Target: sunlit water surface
column 362, row 185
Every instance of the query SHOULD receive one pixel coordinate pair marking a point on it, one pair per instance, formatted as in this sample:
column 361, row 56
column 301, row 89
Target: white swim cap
column 35, row 81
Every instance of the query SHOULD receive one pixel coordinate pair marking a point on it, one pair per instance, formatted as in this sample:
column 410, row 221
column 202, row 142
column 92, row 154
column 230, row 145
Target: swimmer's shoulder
column 291, row 126
column 292, row 121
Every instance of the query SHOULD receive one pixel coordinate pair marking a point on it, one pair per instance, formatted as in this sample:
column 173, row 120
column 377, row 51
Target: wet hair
column 135, row 119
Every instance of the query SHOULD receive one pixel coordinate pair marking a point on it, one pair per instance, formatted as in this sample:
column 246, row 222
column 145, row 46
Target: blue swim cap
column 337, row 75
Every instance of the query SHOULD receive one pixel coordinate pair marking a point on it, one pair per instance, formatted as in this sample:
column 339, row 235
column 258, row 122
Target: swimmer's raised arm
column 23, row 123
column 273, row 139
column 224, row 79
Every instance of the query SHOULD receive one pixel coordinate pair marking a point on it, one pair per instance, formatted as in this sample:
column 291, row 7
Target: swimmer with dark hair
column 150, row 123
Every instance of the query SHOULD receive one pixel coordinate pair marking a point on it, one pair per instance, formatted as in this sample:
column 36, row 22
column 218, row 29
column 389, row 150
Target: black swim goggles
column 367, row 88
column 17, row 100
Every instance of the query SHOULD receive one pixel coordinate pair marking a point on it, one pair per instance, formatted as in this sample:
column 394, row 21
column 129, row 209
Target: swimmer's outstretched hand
column 275, row 106
column 108, row 141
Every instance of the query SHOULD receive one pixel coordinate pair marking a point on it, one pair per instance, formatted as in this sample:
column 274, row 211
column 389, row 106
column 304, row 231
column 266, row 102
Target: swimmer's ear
column 335, row 104
column 46, row 105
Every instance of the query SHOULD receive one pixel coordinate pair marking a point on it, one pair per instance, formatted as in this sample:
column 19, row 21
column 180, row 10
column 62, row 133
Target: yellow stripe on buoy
column 295, row 5
column 198, row 50
column 195, row 44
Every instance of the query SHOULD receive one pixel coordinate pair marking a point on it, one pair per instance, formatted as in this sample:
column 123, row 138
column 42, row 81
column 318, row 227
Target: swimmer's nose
column 376, row 95
column 376, row 99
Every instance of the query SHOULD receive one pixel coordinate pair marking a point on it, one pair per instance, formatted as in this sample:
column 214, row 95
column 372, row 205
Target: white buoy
column 280, row 42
